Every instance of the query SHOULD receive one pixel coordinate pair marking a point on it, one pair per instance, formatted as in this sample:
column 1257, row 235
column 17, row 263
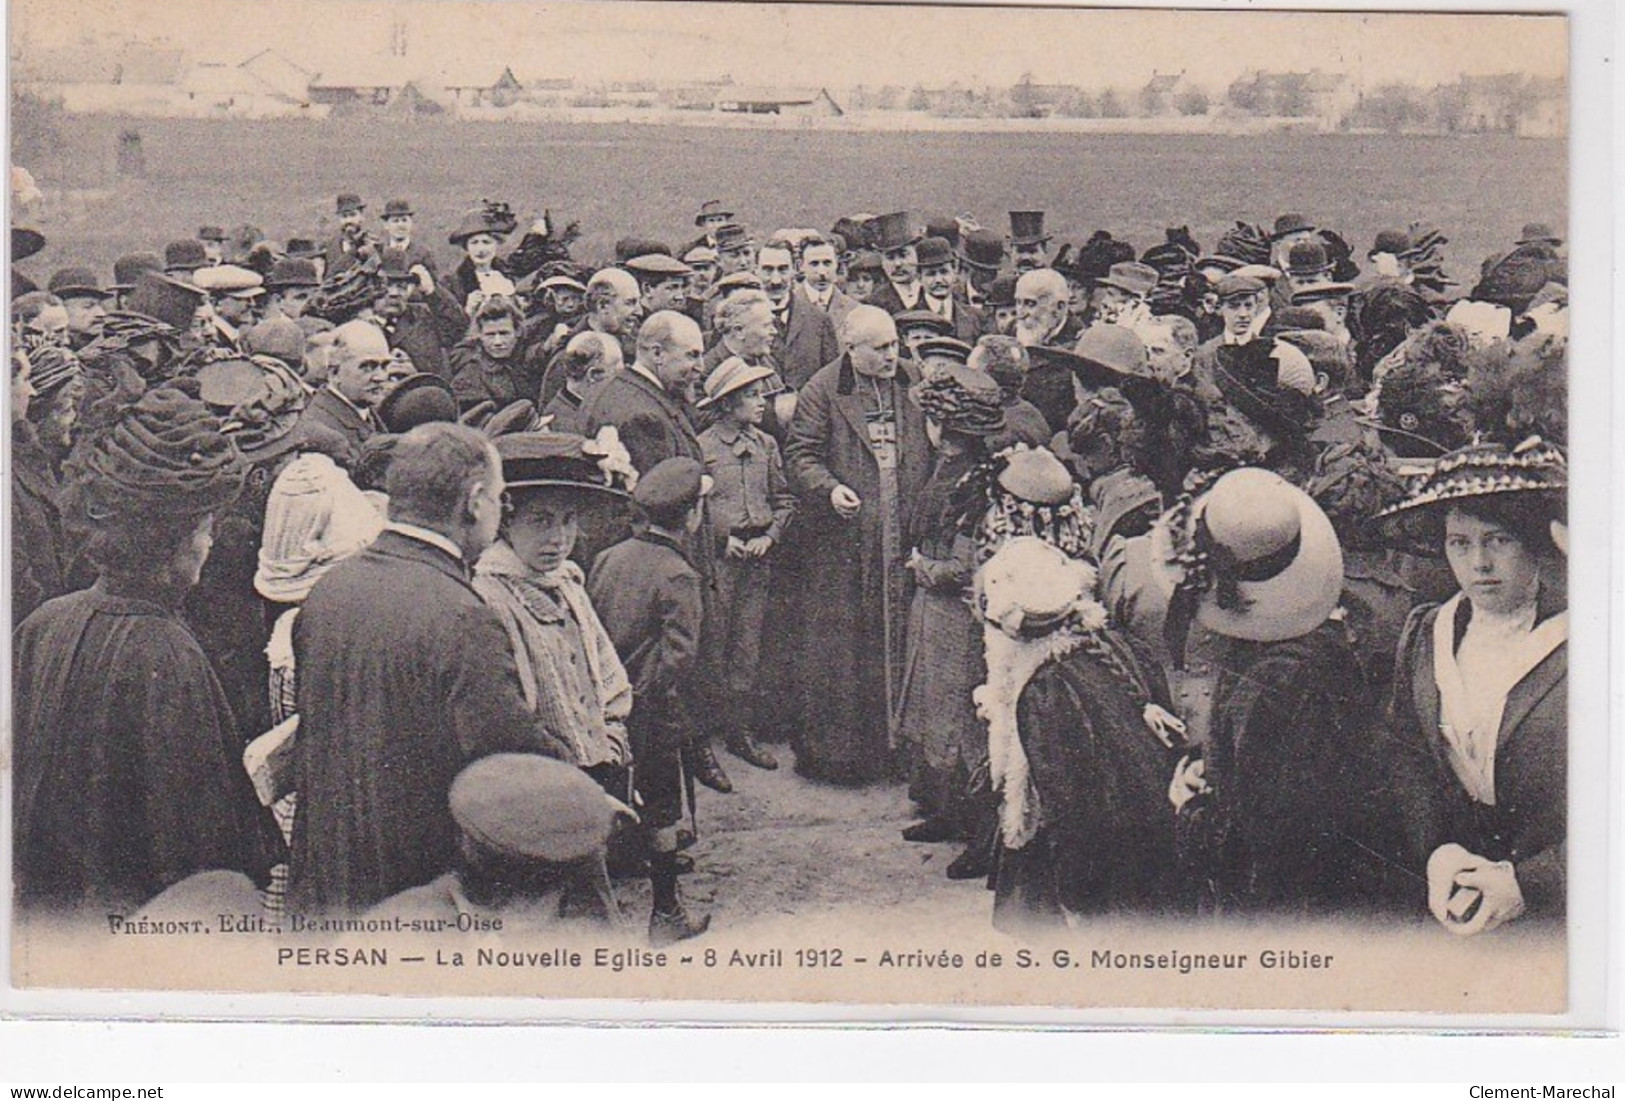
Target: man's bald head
column 670, row 347
column 869, row 336
column 614, row 300
column 359, row 363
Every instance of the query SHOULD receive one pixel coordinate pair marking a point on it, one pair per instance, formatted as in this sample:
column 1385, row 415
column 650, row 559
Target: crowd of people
column 1216, row 581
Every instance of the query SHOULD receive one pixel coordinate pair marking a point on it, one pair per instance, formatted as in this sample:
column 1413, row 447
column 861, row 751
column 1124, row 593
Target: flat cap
column 655, row 265
column 528, row 807
column 671, row 484
column 1235, row 286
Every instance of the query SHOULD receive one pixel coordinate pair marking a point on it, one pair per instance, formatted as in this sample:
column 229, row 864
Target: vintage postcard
column 1053, row 510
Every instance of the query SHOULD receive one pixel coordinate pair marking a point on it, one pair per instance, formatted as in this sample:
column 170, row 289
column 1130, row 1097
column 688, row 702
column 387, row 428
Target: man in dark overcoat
column 405, row 676
column 803, row 335
column 858, row 457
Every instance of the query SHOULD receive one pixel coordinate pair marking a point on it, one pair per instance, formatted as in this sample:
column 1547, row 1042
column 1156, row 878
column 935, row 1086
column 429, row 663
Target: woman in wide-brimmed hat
column 1254, row 566
column 128, row 758
column 936, row 720
column 1478, row 724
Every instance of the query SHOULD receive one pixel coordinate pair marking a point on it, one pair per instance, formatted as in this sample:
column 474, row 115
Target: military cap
column 126, row 269
column 187, row 255
column 76, row 283
column 671, row 485
column 524, row 806
column 923, row 319
column 947, row 346
column 934, row 251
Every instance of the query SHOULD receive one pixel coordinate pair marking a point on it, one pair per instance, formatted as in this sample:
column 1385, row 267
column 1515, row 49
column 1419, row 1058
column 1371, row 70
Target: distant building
column 1545, row 112
column 1322, row 98
column 1160, row 96
column 744, row 100
column 483, row 89
column 361, row 82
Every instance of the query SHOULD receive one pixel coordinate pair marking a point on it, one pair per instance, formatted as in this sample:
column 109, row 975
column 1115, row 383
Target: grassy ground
column 624, row 179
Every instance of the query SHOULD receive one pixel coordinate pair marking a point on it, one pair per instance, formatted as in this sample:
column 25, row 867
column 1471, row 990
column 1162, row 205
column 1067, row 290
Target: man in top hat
column 182, row 258
column 735, row 251
column 357, row 380
column 820, row 267
column 1289, row 230
column 858, row 457
column 939, row 275
column 398, row 220
column 532, row 835
column 213, row 239
column 981, row 255
column 897, row 239
column 1028, row 241
column 405, row 677
column 86, row 301
column 662, row 281
column 803, row 335
column 351, row 237
column 1120, row 297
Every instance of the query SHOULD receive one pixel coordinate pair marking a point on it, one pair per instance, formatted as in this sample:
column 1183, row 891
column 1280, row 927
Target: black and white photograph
column 812, row 504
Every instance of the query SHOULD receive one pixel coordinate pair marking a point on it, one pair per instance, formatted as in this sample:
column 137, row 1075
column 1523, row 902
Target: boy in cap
column 750, row 505
column 531, row 838
column 648, row 596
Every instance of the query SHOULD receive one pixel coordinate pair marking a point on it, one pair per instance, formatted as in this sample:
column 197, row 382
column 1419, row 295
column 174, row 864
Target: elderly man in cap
column 939, row 275
column 803, row 336
column 405, row 676
column 357, row 380
column 1028, row 241
column 398, row 219
column 86, row 302
column 897, row 239
column 532, row 834
column 858, row 457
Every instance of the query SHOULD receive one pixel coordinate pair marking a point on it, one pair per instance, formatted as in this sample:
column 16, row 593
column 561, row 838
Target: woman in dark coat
column 1479, row 717
column 39, row 566
column 937, row 721
column 129, row 773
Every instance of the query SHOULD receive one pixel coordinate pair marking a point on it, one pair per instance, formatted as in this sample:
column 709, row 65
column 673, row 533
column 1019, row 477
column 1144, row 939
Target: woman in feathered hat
column 1478, row 724
column 937, row 723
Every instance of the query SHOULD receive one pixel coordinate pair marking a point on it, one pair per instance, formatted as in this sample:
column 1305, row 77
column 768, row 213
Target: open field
column 625, row 179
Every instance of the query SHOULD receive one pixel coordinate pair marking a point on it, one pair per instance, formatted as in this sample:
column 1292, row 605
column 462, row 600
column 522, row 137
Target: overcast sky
column 820, row 43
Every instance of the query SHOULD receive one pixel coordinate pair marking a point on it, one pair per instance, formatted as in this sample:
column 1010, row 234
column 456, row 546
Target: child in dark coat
column 648, row 596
